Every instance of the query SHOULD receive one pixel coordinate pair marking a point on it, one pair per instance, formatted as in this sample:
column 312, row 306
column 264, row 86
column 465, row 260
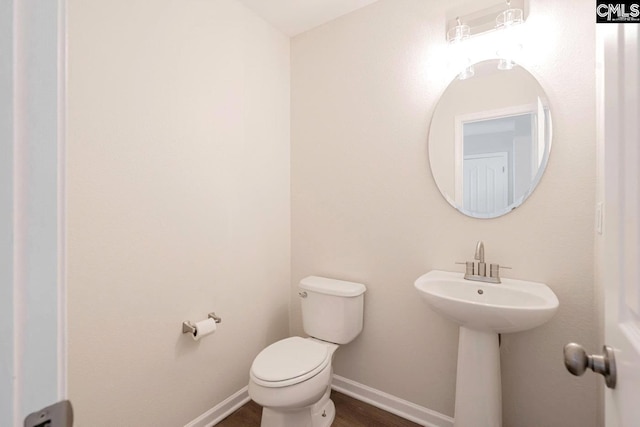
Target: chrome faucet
column 479, row 256
column 480, row 274
column 480, row 251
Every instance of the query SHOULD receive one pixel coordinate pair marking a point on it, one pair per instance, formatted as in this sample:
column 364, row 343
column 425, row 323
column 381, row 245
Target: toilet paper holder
column 190, row 328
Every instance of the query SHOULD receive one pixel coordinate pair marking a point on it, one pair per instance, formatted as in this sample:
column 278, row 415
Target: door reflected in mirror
column 489, row 140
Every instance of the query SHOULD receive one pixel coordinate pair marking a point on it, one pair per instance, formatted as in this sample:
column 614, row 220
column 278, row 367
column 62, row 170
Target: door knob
column 577, row 361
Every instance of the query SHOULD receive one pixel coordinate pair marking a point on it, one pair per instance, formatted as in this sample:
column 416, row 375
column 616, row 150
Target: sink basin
column 510, row 306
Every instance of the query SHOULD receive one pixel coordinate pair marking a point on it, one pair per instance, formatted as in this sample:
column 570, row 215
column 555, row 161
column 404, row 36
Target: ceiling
column 297, row 16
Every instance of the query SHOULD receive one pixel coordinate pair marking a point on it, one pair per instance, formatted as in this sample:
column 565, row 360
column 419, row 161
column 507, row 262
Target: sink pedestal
column 478, row 390
column 483, row 310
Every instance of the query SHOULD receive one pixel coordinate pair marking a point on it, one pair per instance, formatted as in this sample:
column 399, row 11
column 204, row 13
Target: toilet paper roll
column 204, row 328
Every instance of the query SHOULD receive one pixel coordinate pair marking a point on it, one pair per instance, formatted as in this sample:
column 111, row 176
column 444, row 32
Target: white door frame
column 458, row 155
column 6, row 213
column 32, row 130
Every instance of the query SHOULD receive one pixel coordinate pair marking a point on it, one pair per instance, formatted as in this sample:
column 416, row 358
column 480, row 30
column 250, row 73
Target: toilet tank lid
column 335, row 287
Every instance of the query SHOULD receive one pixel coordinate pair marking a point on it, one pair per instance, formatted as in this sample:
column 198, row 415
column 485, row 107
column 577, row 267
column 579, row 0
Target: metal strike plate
column 57, row 415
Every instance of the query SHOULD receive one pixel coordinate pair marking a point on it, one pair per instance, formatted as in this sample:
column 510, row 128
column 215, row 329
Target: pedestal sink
column 483, row 310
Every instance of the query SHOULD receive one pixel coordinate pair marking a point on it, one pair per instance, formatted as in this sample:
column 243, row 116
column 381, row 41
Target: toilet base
column 320, row 414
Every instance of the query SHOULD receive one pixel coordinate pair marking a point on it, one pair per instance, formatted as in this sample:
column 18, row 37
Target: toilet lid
column 289, row 360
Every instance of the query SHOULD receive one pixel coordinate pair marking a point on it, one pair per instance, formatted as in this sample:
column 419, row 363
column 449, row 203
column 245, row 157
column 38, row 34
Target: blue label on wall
column 617, row 12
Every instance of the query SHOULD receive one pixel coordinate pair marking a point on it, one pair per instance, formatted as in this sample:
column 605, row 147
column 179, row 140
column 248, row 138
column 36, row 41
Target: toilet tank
column 332, row 310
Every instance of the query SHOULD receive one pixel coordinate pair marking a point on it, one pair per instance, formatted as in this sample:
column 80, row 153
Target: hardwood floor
column 349, row 413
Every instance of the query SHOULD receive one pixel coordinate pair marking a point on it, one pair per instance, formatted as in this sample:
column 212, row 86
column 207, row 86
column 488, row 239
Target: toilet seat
column 289, row 361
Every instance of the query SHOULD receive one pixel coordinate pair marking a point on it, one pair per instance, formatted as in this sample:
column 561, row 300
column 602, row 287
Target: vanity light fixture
column 500, row 25
column 456, row 36
column 509, row 43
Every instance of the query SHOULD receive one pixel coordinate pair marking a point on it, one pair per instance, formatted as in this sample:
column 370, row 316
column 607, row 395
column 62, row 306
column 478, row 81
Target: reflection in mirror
column 489, row 140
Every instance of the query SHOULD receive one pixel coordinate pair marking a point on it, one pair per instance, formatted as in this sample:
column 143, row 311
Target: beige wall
column 178, row 204
column 365, row 207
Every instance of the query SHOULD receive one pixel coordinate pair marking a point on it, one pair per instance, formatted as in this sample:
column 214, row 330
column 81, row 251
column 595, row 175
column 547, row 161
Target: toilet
column 291, row 378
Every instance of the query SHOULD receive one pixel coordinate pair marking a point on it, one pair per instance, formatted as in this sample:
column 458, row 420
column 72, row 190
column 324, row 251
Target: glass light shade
column 507, row 53
column 509, row 18
column 467, row 73
column 458, row 33
column 506, row 64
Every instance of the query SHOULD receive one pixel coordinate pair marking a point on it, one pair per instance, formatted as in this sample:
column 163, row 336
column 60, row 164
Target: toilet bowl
column 291, row 378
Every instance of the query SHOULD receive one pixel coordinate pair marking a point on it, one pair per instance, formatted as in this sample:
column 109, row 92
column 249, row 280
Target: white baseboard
column 402, row 408
column 395, row 405
column 222, row 410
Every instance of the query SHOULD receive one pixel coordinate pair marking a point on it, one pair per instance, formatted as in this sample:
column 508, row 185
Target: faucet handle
column 494, row 270
column 469, row 270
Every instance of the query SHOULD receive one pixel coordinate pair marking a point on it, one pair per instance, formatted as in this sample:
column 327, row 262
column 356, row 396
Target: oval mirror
column 490, row 139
